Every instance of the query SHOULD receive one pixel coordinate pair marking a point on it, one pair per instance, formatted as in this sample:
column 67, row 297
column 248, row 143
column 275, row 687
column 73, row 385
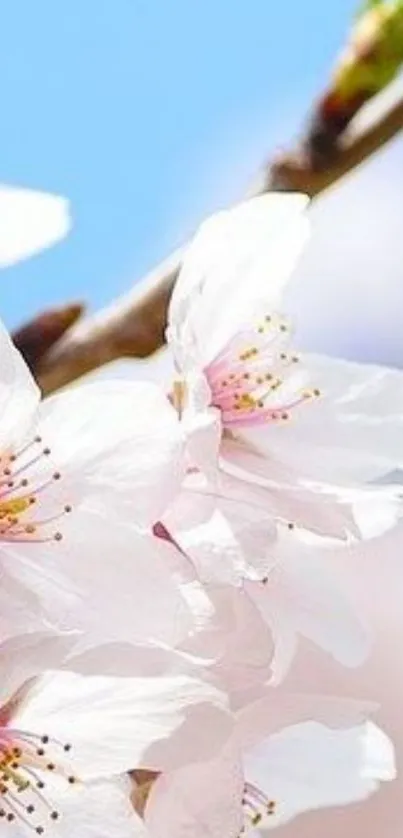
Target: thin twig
column 293, row 171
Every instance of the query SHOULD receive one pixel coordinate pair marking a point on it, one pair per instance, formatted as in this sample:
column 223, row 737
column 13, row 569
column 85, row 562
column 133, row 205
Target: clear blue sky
column 147, row 114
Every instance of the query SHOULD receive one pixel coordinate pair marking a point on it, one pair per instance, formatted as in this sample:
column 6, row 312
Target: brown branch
column 370, row 61
column 293, row 172
column 36, row 338
column 134, row 325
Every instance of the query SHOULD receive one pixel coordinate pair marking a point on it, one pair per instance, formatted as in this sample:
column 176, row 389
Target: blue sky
column 147, row 115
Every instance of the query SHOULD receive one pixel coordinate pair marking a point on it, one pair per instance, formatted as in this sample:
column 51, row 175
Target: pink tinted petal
column 271, row 709
column 305, row 595
column 198, row 800
column 249, row 649
column 381, row 678
column 238, row 642
column 152, row 660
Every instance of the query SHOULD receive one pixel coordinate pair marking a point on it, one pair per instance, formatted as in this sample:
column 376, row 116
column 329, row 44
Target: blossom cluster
column 163, row 553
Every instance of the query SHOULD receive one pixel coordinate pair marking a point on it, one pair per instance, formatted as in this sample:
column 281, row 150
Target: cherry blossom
column 67, row 739
column 281, row 447
column 273, row 769
column 280, row 418
column 83, row 476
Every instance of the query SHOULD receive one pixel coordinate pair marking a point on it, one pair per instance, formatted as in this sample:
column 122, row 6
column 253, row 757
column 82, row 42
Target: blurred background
column 151, row 115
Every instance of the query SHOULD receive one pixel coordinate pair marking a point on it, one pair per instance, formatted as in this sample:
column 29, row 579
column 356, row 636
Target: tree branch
column 292, row 172
column 36, row 338
column 134, row 325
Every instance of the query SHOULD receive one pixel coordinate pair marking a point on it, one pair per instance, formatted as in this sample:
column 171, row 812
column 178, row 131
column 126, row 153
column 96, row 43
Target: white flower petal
column 238, row 262
column 30, row 221
column 105, row 579
column 117, row 724
column 27, row 655
column 320, row 507
column 309, row 766
column 19, row 395
column 19, row 609
column 203, row 436
column 100, row 809
column 120, row 441
column 223, row 529
column 352, row 432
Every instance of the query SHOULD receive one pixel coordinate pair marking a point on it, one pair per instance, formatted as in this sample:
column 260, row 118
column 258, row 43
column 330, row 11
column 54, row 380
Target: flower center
column 25, row 759
column 22, row 495
column 251, row 381
column 256, row 806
